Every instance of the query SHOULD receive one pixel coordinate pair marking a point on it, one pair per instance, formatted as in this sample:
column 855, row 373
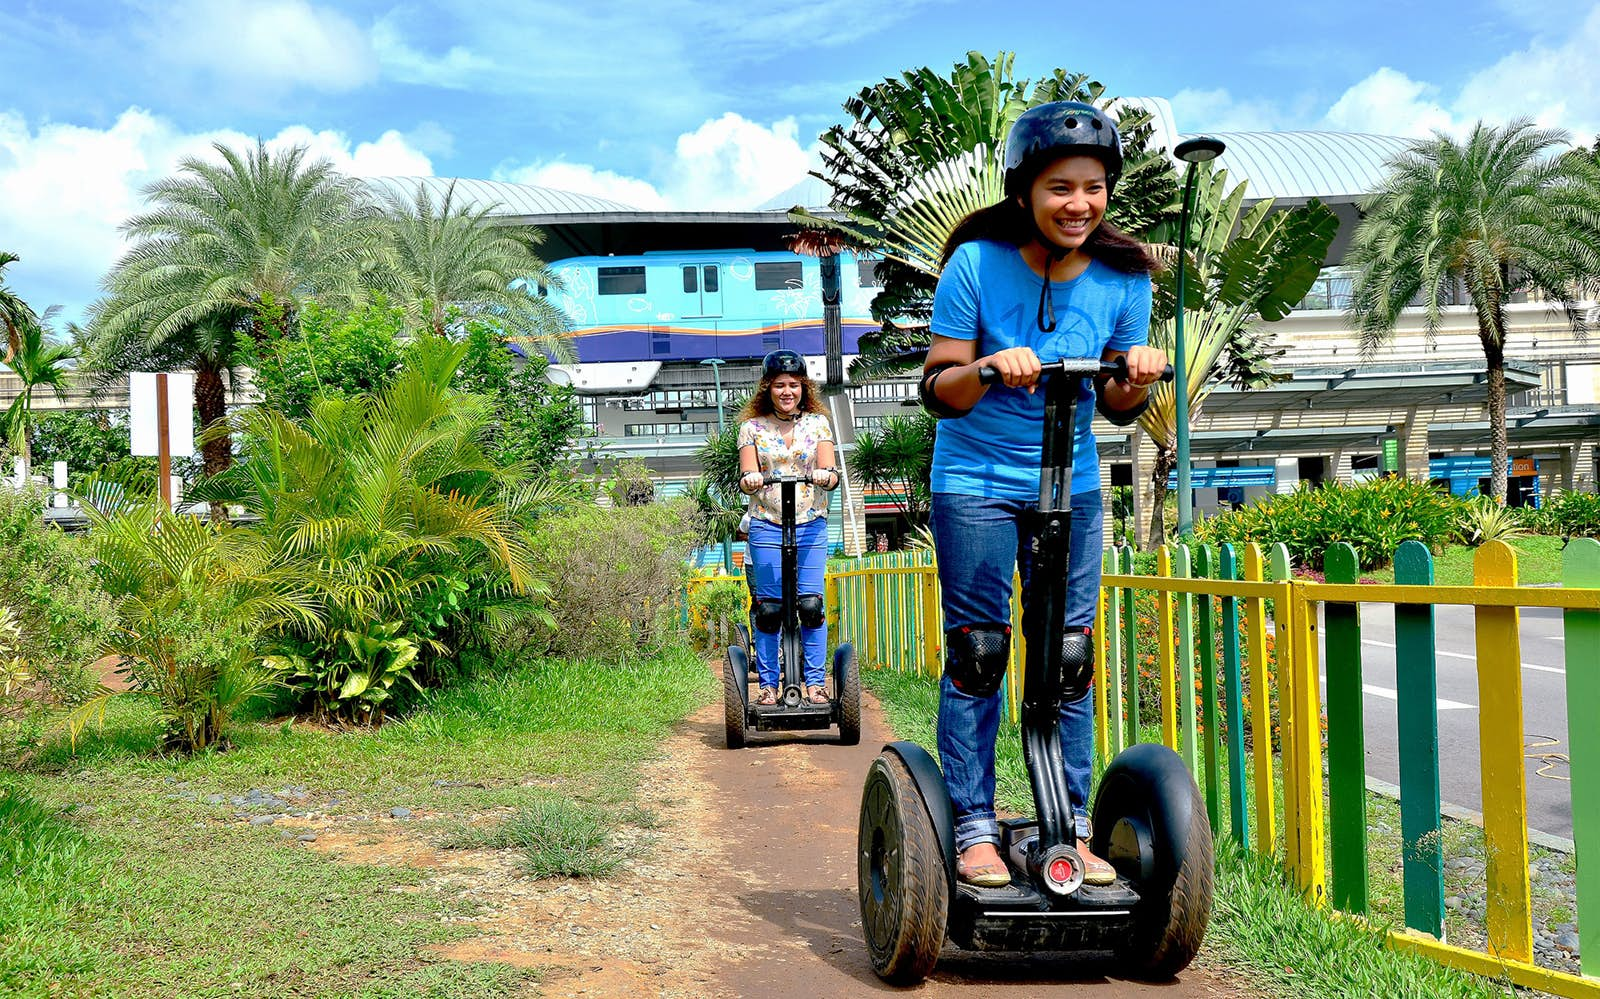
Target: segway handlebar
column 1083, row 367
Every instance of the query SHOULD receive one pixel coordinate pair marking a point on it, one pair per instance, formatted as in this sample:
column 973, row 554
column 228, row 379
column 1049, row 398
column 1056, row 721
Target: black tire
column 900, row 876
column 735, row 688
column 741, row 634
column 847, row 693
column 1150, row 823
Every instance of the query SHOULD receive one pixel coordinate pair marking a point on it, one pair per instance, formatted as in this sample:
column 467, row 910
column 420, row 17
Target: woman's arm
column 950, row 374
column 827, row 460
column 749, row 469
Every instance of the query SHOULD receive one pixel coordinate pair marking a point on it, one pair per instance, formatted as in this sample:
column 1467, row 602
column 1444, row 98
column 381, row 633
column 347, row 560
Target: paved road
column 1544, row 709
column 791, row 802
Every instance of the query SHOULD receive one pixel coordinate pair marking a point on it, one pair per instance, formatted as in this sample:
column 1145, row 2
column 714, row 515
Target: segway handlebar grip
column 1085, row 367
column 778, row 478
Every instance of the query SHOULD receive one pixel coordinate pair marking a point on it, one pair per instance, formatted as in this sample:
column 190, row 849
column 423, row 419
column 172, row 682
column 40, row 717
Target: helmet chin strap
column 1047, row 302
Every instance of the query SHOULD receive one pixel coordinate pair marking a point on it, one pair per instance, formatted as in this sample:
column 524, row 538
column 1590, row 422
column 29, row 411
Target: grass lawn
column 1260, row 928
column 1538, row 561
column 127, row 874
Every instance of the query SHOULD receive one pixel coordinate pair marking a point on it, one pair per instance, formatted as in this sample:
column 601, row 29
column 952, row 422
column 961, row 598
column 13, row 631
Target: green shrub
column 1374, row 517
column 1484, row 520
column 62, row 614
column 614, row 574
column 717, row 606
column 1573, row 514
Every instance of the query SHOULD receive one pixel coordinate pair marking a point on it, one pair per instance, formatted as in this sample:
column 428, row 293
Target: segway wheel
column 1150, row 823
column 847, row 693
column 900, row 876
column 741, row 634
column 735, row 688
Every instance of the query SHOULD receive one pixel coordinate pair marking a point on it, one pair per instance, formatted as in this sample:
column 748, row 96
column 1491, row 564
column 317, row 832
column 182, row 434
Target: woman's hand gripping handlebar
column 1083, row 367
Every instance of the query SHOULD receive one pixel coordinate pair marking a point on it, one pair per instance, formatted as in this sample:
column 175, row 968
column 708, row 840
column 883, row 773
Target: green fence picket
column 1130, row 649
column 1347, row 777
column 1580, row 566
column 1206, row 662
column 1417, row 709
column 1115, row 669
column 1183, row 696
column 1233, row 694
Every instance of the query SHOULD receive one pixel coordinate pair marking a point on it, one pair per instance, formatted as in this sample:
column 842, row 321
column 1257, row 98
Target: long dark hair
column 1009, row 222
column 760, row 404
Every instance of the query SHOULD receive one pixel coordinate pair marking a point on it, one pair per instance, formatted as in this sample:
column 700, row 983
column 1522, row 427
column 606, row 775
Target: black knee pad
column 811, row 613
column 769, row 616
column 1077, row 663
column 976, row 657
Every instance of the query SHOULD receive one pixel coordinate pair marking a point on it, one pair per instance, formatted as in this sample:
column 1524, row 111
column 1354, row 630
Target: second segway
column 793, row 711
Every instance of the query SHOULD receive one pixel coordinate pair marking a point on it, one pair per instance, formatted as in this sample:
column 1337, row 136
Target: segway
column 1148, row 818
column 793, row 711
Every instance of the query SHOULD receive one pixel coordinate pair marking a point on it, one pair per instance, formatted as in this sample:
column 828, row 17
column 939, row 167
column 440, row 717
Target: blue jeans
column 766, row 561
column 981, row 540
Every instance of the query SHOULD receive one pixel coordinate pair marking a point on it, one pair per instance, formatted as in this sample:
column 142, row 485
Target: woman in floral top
column 784, row 431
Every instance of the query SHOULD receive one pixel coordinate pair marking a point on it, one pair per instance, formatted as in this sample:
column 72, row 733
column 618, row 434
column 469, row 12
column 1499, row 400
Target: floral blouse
column 798, row 457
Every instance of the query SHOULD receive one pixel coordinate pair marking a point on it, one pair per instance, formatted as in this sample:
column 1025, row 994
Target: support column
column 1340, row 469
column 1143, row 451
column 1583, row 467
column 1414, row 449
column 1107, row 521
column 1287, row 475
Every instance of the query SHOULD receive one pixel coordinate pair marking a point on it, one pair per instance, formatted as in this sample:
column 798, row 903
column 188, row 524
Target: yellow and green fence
column 1237, row 634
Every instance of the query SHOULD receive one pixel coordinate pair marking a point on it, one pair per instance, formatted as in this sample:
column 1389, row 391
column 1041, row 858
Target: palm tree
column 1243, row 267
column 37, row 361
column 253, row 236
column 1496, row 213
column 14, row 312
column 450, row 256
column 922, row 152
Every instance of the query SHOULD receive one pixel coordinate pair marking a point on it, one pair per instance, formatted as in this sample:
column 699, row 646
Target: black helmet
column 782, row 362
column 1047, row 132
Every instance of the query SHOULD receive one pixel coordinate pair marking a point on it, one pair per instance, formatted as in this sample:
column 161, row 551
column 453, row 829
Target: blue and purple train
column 687, row 306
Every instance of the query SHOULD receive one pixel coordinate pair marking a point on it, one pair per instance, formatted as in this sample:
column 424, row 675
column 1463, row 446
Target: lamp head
column 1199, row 149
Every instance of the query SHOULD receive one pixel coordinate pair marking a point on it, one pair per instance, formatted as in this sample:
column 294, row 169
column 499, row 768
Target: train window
column 621, row 281
column 866, row 276
column 691, row 280
column 711, row 278
column 777, row 277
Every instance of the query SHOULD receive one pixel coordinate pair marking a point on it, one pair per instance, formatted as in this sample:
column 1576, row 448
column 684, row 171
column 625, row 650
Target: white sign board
column 180, row 413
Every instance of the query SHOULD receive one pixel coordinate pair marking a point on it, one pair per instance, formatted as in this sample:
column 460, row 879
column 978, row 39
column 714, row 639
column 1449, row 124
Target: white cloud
column 1219, row 111
column 1555, row 84
column 457, row 68
column 265, row 44
column 1390, row 103
column 581, row 178
column 726, row 163
column 69, row 189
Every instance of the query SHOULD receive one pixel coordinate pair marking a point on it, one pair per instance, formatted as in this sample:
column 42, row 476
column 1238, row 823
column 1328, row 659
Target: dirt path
column 747, row 890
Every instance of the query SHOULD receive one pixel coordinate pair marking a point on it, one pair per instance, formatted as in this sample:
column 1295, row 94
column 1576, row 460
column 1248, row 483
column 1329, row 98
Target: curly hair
column 760, row 404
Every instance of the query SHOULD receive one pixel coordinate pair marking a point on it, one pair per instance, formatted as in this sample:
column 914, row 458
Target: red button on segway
column 1060, row 872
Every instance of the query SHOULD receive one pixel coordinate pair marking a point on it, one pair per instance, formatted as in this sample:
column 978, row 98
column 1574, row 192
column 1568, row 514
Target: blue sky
column 691, row 105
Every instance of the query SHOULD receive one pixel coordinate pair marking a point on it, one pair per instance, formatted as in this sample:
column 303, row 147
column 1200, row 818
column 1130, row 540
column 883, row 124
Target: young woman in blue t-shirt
column 1035, row 276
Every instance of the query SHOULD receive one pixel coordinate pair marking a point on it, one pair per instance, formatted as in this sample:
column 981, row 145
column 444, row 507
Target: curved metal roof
column 511, row 199
column 1294, row 166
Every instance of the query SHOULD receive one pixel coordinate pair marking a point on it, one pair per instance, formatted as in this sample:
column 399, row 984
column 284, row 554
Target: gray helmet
column 782, row 362
column 1047, row 132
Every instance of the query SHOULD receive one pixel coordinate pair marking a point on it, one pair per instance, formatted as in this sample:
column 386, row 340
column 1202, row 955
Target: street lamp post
column 722, row 427
column 1193, row 152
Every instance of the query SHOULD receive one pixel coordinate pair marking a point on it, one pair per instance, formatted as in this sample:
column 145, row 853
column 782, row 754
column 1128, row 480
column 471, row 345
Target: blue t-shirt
column 988, row 293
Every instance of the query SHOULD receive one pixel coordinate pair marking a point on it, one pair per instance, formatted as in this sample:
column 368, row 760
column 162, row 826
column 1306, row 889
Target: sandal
column 1095, row 870
column 768, row 695
column 819, row 695
column 990, row 874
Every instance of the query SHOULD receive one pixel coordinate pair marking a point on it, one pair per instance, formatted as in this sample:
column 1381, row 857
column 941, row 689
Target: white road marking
column 1391, row 695
column 1462, row 655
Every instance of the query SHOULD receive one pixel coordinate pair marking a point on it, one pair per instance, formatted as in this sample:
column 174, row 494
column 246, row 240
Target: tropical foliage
column 393, row 513
column 1243, row 268
column 14, row 312
column 449, row 262
column 898, row 460
column 336, row 353
column 1497, row 213
column 38, row 362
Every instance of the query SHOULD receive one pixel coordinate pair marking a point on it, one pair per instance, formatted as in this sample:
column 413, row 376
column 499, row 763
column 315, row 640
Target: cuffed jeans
column 981, row 541
column 766, row 561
